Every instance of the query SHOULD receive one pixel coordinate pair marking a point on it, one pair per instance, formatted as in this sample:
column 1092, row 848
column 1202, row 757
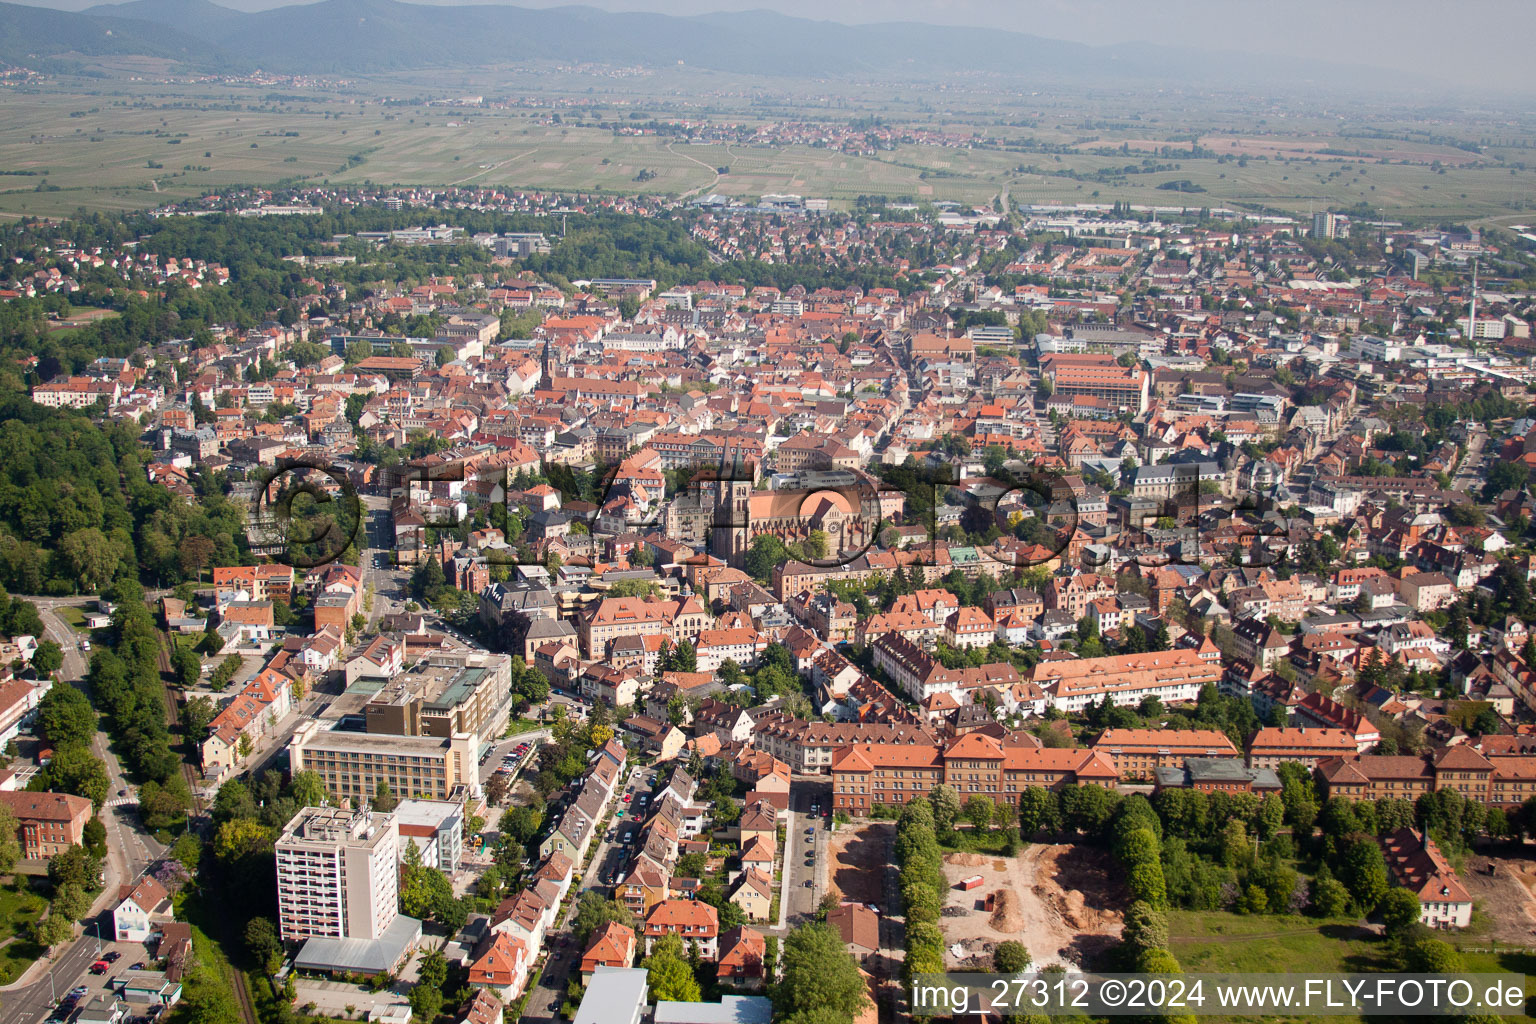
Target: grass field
column 20, row 907
column 1220, row 942
column 72, row 615
column 115, row 144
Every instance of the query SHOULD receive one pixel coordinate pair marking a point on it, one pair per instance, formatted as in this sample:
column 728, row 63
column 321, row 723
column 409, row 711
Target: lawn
column 517, row 726
column 20, row 907
column 1210, row 942
column 72, row 615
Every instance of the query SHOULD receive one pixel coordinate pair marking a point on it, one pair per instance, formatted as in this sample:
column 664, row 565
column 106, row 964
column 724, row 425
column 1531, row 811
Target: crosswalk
column 122, row 801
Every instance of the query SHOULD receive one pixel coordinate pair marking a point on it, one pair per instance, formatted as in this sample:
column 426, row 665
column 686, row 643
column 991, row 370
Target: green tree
column 670, row 976
column 1432, row 956
column 74, row 769
column 1399, row 911
column 593, row 911
column 1011, row 957
column 1363, row 870
column 978, row 811
column 817, row 971
column 54, row 930
column 308, row 788
column 1329, row 898
column 47, row 659
column 426, row 997
column 384, row 798
column 66, row 717
column 946, row 806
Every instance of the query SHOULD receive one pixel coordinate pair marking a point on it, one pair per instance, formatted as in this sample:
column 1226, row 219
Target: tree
column 196, row 715
column 186, row 666
column 10, row 846
column 1363, row 870
column 47, row 659
column 1011, row 957
column 1432, row 956
column 946, row 806
column 1329, row 898
column 816, row 970
column 670, row 975
column 1039, row 811
column 66, row 717
column 262, row 943
column 592, row 912
column 384, row 798
column 54, row 930
column 74, row 866
column 1399, row 912
column 978, row 811
column 91, row 556
column 74, row 769
column 308, row 788
column 1146, row 927
column 427, row 996
column 71, row 901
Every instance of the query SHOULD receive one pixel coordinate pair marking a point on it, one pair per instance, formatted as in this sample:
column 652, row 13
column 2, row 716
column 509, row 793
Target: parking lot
column 117, row 957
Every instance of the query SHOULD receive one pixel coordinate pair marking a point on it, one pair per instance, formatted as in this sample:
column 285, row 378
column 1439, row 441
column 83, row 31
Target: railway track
column 243, row 994
column 173, row 718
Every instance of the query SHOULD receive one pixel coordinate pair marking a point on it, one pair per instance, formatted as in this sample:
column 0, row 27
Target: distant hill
column 30, row 33
column 354, row 36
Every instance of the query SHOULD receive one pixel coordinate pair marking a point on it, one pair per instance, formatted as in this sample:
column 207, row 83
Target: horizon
column 1379, row 34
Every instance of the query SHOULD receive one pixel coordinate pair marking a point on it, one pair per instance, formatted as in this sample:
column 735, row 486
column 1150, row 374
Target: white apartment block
column 337, row 874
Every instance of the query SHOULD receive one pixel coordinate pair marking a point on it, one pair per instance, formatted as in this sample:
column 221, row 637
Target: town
column 468, row 604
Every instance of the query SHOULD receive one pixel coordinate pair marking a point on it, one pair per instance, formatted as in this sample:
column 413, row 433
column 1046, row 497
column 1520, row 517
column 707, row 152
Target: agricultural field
column 123, row 142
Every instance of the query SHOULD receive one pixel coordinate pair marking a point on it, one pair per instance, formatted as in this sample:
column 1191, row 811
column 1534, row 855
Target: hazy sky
column 1433, row 34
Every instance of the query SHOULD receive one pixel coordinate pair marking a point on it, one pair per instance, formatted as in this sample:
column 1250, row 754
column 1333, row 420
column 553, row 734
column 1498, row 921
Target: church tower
column 731, row 536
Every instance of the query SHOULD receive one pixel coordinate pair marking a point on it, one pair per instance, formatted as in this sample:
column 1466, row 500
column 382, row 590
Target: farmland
column 122, row 142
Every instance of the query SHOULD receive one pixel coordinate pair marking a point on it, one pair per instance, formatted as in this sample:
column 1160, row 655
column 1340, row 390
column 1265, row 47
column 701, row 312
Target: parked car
column 100, row 967
column 78, row 992
column 111, row 957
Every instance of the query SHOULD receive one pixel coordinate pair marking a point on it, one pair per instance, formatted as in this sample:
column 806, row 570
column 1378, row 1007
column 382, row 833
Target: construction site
column 1061, row 901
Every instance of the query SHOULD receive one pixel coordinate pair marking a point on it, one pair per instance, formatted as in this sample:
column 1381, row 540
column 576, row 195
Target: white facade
column 337, row 874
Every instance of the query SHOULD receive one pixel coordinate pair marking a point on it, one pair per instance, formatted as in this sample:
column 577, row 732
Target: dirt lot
column 858, row 860
column 1505, row 897
column 1058, row 900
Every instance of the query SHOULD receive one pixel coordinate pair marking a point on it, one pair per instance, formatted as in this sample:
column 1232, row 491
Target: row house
column 1500, row 781
column 251, row 715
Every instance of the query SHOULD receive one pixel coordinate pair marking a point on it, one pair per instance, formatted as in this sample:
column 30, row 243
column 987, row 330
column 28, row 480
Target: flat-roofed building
column 337, row 874
column 352, row 763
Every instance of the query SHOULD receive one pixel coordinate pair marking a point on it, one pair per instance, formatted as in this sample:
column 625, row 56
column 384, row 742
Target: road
column 1469, row 472
column 801, row 899
column 130, row 850
column 610, row 857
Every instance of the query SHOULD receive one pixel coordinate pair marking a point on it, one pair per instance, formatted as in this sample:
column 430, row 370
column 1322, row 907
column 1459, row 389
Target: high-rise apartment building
column 337, row 874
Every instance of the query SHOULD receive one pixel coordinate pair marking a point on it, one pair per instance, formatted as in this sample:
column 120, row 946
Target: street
column 609, row 858
column 130, row 851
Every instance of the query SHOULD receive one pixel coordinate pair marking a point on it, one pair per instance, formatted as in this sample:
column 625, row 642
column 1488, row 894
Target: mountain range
column 359, row 36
